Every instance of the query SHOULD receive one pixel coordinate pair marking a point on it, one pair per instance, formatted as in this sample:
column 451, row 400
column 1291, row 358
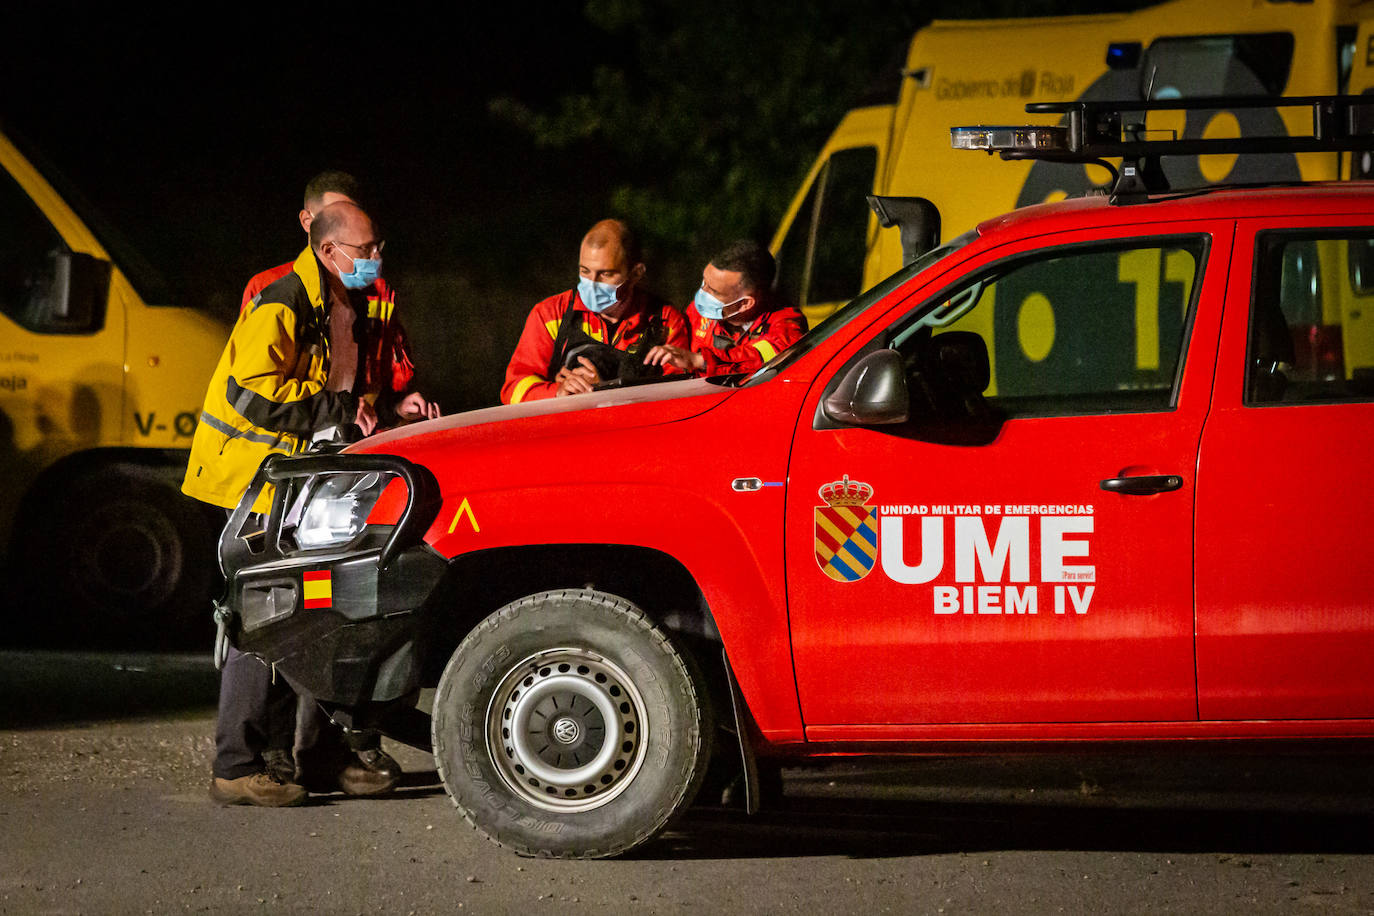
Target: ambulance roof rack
column 1096, row 130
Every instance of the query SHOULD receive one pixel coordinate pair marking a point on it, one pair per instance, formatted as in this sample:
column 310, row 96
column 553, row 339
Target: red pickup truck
column 1087, row 473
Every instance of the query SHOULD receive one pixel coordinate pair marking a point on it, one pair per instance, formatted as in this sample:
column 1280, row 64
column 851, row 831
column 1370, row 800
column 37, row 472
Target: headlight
column 335, row 508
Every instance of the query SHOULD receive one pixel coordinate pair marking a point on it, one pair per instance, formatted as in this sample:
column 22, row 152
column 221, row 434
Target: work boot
column 368, row 772
column 262, row 789
column 371, row 772
column 280, row 764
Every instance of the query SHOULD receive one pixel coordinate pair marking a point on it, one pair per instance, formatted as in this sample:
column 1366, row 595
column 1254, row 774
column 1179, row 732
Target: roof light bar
column 994, row 139
column 1096, row 131
column 1100, row 129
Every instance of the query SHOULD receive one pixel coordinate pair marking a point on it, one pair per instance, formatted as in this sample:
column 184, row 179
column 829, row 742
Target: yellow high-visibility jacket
column 268, row 392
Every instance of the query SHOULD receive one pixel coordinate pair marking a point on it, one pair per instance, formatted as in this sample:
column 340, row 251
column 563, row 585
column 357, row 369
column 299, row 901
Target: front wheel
column 567, row 724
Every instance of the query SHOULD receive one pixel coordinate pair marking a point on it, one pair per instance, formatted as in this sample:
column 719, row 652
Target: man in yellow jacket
column 313, row 354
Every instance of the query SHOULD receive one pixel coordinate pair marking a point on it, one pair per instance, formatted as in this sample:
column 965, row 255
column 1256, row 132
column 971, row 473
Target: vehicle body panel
column 1285, row 623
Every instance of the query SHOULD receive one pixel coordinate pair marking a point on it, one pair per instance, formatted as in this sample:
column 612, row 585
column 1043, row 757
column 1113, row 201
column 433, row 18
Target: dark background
column 487, row 140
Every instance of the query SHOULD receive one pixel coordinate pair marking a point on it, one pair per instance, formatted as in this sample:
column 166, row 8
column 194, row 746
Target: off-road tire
column 516, row 719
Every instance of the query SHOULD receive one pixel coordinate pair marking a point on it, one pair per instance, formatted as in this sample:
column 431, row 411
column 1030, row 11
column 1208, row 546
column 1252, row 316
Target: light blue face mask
column 597, row 297
column 365, row 272
column 711, row 308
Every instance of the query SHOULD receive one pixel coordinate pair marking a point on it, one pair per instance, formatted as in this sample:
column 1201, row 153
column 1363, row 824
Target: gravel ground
column 103, row 809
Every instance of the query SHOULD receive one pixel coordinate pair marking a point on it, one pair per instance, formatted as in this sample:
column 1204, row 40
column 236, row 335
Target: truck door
column 1285, row 628
column 936, row 577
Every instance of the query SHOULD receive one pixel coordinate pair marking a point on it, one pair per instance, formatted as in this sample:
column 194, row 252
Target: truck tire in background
column 568, row 725
column 115, row 555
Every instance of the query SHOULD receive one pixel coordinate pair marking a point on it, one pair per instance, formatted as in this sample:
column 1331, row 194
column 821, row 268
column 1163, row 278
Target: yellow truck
column 829, row 245
column 99, row 394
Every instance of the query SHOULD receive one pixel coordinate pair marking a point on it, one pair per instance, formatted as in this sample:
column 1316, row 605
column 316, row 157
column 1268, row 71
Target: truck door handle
column 1144, row 485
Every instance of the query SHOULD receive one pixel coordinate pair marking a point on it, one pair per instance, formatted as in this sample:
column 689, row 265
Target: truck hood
column 601, row 411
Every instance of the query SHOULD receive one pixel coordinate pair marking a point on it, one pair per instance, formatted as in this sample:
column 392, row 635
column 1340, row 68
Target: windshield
column 844, row 315
column 151, row 286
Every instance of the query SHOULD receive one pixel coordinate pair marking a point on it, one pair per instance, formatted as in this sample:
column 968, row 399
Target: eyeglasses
column 371, row 249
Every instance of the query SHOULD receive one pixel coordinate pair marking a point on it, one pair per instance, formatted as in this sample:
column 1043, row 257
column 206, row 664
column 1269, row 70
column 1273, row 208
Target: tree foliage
column 706, row 114
column 710, row 111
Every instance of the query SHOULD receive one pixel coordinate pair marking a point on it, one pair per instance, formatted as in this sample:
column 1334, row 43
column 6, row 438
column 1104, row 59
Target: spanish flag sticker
column 319, row 590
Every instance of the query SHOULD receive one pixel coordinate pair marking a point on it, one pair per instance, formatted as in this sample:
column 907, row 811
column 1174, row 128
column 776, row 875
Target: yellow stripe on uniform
column 766, row 350
column 552, row 328
column 517, row 394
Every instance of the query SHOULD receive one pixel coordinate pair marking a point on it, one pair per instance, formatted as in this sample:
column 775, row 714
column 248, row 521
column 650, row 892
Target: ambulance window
column 837, row 262
column 1080, row 330
column 1311, row 319
column 1361, row 256
column 821, row 259
column 28, row 243
column 1253, row 65
column 793, row 254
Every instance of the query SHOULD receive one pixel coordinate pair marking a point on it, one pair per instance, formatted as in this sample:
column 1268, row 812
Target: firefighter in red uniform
column 737, row 324
column 602, row 331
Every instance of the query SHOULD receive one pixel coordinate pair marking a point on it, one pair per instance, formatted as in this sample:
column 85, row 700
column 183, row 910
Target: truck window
column 821, row 260
column 28, row 243
column 1079, row 330
column 1311, row 319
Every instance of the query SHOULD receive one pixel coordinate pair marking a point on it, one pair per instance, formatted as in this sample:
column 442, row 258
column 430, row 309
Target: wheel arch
column 481, row 582
column 702, row 541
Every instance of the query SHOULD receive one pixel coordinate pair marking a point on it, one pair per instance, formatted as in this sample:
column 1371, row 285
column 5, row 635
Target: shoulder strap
column 566, row 325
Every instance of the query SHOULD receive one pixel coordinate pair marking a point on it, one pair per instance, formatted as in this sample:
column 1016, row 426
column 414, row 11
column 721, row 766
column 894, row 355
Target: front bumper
column 341, row 623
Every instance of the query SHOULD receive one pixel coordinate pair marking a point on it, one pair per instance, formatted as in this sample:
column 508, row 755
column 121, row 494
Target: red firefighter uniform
column 649, row 322
column 730, row 350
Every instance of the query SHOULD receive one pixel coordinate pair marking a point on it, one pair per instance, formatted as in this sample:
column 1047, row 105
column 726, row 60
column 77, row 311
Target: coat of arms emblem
column 846, row 530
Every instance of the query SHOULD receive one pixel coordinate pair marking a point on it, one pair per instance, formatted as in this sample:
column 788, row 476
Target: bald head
column 610, row 255
column 342, row 221
column 616, row 235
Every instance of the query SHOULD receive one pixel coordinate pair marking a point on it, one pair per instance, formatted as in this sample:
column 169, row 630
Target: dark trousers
column 257, row 714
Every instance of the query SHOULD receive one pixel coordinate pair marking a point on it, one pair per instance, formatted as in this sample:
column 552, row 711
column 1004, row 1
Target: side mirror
column 873, row 392
column 916, row 219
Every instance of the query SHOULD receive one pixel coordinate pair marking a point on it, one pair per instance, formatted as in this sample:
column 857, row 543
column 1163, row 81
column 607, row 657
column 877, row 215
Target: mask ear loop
column 729, row 316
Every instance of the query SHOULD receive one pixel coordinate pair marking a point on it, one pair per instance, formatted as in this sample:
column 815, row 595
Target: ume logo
column 978, row 559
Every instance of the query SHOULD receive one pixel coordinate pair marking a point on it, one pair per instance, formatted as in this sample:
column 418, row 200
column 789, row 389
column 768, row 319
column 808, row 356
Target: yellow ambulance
column 99, row 394
column 829, row 245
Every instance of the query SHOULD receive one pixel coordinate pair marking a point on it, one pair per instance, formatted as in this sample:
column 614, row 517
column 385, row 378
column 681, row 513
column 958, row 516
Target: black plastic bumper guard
column 356, row 647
